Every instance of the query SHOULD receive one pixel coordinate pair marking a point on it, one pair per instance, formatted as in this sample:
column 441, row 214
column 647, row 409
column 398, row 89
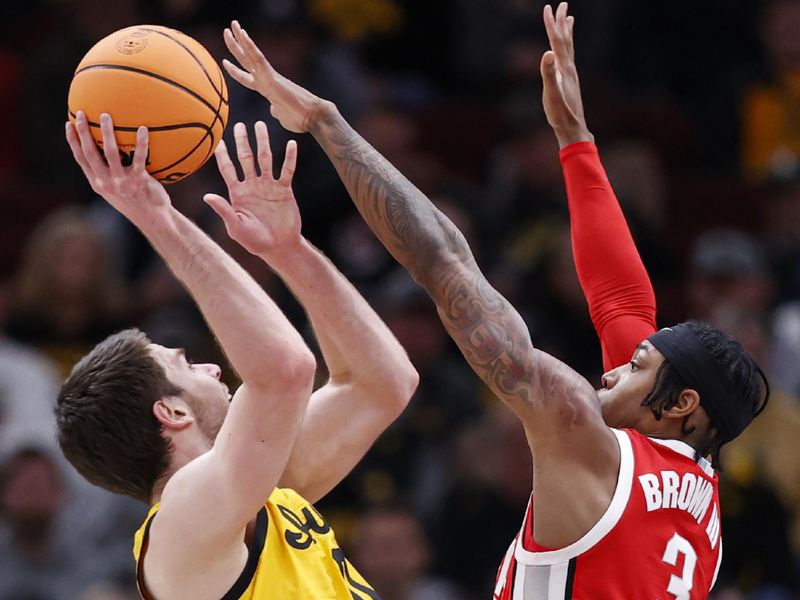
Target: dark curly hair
column 739, row 366
column 104, row 413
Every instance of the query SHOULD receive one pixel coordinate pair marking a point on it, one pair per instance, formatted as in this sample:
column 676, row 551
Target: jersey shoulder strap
column 255, row 548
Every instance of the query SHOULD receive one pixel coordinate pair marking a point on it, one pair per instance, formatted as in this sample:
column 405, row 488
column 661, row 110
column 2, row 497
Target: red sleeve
column 621, row 300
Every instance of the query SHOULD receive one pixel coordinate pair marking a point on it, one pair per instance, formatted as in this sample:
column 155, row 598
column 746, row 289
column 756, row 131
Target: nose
column 211, row 369
column 609, row 379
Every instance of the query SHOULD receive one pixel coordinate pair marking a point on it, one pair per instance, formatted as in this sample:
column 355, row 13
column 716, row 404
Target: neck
column 187, row 447
column 699, row 440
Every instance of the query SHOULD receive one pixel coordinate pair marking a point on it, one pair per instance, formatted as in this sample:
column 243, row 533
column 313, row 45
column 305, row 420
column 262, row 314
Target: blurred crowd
column 696, row 111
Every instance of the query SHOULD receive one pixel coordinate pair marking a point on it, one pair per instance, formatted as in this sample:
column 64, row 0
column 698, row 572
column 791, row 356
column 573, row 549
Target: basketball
column 160, row 78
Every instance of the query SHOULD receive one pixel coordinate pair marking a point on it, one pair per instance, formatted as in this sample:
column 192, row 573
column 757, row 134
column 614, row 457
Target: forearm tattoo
column 491, row 334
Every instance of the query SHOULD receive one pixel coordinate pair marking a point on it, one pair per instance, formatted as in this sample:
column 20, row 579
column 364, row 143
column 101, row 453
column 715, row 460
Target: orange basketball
column 163, row 79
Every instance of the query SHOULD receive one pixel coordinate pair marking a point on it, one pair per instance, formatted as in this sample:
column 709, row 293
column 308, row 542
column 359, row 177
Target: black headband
column 723, row 402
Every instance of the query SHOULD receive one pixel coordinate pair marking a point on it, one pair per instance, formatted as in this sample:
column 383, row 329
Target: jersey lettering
column 307, row 523
column 690, row 493
column 712, row 530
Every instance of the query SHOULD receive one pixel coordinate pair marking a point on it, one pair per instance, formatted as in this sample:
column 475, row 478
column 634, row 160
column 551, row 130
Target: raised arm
column 371, row 378
column 488, row 330
column 206, row 504
column 619, row 293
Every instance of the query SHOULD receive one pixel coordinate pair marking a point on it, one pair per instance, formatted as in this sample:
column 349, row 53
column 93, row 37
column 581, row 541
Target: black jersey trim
column 255, row 550
column 140, row 563
column 570, row 578
column 241, row 584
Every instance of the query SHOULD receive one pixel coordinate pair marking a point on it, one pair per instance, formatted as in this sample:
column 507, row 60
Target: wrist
column 567, row 137
column 322, row 113
column 288, row 256
column 156, row 220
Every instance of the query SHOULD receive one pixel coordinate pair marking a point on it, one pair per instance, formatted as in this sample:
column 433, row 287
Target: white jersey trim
column 716, row 569
column 600, row 529
column 687, row 451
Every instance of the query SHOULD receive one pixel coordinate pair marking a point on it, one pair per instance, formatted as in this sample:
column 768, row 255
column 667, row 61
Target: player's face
column 625, row 387
column 207, row 396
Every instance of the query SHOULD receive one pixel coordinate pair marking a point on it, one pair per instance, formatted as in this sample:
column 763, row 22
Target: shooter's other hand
column 262, row 214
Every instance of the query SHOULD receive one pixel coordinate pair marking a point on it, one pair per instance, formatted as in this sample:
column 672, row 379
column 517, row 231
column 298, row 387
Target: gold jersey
column 293, row 556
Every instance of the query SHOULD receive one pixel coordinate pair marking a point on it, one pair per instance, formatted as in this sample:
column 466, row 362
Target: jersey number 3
column 680, row 586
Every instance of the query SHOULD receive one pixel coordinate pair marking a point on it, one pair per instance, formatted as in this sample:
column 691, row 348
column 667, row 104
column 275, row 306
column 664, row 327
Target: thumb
column 548, row 68
column 222, row 207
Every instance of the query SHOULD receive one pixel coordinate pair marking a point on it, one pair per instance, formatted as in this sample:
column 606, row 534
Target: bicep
column 342, row 421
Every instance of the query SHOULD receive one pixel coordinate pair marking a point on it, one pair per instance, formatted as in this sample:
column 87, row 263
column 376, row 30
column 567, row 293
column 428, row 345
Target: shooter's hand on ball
column 131, row 190
column 292, row 105
column 262, row 214
column 562, row 92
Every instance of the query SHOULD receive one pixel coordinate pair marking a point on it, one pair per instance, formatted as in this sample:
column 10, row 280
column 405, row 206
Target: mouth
column 602, row 395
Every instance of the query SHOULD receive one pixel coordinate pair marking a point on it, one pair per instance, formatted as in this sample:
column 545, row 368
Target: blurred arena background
column 696, row 111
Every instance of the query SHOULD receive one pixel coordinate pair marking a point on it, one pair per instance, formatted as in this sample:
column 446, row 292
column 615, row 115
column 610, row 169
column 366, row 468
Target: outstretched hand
column 292, row 105
column 562, row 91
column 131, row 190
column 262, row 214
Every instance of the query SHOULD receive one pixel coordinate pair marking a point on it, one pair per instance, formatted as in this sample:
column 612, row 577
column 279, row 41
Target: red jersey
column 659, row 539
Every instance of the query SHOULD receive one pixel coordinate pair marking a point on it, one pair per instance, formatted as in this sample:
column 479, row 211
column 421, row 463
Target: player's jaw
column 208, row 397
column 625, row 388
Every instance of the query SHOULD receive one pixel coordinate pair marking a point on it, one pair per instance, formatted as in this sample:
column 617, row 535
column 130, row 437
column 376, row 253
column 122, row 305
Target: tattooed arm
column 489, row 331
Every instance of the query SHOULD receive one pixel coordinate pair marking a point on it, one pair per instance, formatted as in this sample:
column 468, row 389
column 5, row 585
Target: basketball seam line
column 196, row 59
column 182, row 87
column 211, row 131
column 154, row 128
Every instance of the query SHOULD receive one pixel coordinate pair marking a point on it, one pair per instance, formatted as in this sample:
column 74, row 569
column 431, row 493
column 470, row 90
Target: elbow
column 295, row 372
column 434, row 268
column 402, row 389
column 301, row 367
column 408, row 386
column 390, row 390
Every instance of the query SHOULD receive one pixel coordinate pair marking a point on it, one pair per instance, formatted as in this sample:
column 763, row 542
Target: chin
column 611, row 419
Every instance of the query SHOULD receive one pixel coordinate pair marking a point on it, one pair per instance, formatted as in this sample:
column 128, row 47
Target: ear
column 173, row 413
column 688, row 402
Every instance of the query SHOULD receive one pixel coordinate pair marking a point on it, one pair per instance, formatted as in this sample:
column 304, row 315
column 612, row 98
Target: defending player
column 139, row 419
column 626, row 505
column 622, row 306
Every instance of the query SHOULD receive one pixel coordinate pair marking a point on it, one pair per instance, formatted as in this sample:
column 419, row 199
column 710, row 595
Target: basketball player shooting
column 624, row 499
column 230, row 480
